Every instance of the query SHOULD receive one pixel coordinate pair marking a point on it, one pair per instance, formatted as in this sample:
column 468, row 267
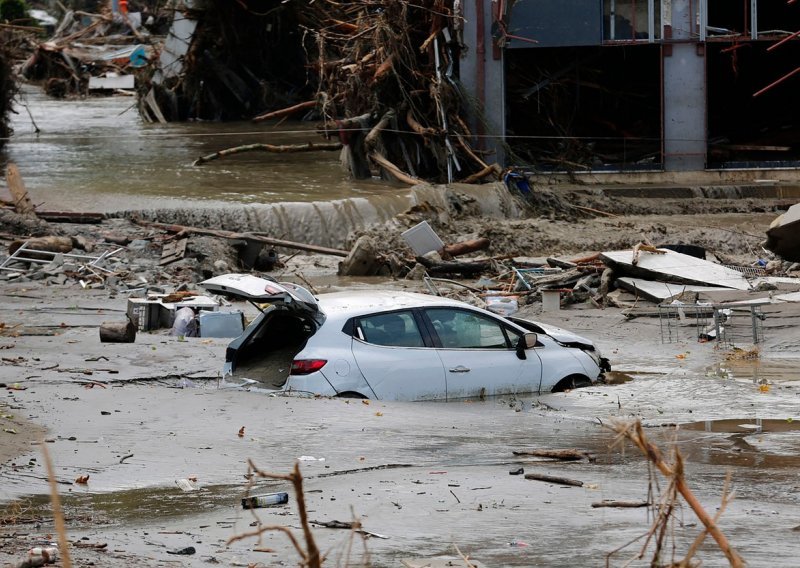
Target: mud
column 138, row 417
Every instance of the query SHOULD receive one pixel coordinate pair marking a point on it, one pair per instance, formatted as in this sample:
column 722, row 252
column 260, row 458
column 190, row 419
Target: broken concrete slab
column 783, row 235
column 675, row 267
column 661, row 291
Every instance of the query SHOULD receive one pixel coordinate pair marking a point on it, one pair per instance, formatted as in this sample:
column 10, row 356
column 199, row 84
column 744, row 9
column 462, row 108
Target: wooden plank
column 231, row 235
column 172, row 251
column 22, row 202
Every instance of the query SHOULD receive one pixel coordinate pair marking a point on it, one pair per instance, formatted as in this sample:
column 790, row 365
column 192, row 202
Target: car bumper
column 315, row 383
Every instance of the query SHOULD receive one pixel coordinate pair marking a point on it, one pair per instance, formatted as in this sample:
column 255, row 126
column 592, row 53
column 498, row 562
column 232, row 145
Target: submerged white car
column 391, row 345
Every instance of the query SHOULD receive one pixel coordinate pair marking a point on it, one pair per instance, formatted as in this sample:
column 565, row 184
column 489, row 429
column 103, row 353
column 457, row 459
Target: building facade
column 636, row 85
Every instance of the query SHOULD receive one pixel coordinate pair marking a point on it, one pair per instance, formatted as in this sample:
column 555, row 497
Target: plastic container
column 221, row 324
column 551, row 300
column 422, row 239
column 268, row 500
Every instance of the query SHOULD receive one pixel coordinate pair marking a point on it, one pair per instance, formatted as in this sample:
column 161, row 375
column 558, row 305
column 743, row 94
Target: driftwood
column 65, row 216
column 247, row 236
column 276, row 149
column 435, row 267
column 22, row 203
column 71, row 217
column 285, row 111
column 117, row 332
column 554, row 479
column 563, row 455
column 465, row 247
column 620, row 504
column 50, row 244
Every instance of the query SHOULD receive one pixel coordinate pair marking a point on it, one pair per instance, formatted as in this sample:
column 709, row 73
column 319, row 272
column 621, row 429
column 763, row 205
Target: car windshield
column 396, row 329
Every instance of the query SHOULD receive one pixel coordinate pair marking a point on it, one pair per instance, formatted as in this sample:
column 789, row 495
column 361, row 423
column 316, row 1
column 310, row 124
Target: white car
column 391, row 345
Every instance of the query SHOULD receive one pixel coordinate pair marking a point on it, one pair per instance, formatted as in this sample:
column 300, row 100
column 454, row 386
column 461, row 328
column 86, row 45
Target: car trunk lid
column 262, row 291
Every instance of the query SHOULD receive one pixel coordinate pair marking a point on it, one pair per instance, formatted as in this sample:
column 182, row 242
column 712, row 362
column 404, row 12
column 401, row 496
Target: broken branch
column 277, row 149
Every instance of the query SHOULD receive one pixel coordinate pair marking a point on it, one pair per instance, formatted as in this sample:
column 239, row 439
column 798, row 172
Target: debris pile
column 90, row 52
column 379, row 75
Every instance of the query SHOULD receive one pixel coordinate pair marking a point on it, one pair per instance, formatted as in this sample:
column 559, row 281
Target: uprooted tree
column 380, row 76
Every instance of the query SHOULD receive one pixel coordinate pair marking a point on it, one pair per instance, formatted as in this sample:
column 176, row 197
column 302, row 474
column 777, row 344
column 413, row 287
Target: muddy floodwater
column 96, row 154
column 423, row 477
column 144, row 421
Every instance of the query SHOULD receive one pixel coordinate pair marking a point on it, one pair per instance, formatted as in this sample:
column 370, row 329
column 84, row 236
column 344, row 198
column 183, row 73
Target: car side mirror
column 525, row 342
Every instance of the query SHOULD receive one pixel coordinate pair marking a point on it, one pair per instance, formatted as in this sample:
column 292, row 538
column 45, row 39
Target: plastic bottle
column 257, row 501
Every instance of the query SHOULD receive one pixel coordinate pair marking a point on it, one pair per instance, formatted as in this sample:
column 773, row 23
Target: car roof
column 359, row 302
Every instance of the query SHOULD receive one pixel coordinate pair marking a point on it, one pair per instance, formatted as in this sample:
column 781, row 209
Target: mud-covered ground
column 137, row 417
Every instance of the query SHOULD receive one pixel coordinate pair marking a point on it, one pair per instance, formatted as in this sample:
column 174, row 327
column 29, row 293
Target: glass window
column 460, row 329
column 397, row 329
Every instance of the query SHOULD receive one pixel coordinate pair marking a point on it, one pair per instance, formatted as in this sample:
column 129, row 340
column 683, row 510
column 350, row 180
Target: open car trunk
column 264, row 352
column 266, row 349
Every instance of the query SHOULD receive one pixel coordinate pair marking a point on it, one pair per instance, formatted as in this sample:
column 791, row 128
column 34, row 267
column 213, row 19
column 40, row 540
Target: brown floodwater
column 97, row 154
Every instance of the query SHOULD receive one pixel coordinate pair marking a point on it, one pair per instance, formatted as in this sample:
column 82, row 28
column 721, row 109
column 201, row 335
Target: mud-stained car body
column 394, row 345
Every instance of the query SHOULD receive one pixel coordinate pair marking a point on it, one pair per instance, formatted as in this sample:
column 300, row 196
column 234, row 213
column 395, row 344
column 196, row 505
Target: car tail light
column 306, row 366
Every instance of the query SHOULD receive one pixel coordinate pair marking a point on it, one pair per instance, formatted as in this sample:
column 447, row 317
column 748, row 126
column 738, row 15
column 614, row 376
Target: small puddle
column 747, row 425
column 761, row 372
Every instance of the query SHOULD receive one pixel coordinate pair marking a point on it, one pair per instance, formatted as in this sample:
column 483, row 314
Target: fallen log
column 285, row 111
column 434, row 267
column 392, row 169
column 47, row 244
column 22, row 202
column 554, row 479
column 117, row 332
column 276, row 149
column 477, row 176
column 465, row 247
column 563, row 455
column 247, row 236
column 620, row 504
column 71, row 217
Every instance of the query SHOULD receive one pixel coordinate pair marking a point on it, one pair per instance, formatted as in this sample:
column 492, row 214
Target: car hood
column 261, row 290
column 561, row 335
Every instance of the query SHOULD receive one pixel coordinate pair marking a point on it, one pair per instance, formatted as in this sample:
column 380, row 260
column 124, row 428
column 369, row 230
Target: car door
column 391, row 352
column 479, row 356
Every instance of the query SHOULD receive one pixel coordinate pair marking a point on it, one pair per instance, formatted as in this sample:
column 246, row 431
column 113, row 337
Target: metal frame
column 18, row 256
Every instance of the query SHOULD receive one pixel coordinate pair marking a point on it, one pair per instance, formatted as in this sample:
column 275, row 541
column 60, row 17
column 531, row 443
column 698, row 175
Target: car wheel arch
column 352, row 394
column 573, row 381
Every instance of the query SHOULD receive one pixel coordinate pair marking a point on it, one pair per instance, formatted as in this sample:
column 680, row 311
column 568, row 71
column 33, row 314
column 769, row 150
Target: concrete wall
column 481, row 61
column 684, row 94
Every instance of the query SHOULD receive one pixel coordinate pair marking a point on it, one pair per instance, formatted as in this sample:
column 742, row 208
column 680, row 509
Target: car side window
column 396, row 329
column 461, row 329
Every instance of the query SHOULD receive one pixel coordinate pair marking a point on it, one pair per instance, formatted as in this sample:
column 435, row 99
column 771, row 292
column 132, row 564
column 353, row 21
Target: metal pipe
column 778, row 82
column 784, row 40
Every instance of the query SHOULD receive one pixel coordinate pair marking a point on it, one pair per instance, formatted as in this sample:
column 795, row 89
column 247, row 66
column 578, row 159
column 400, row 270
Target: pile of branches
column 8, row 89
column 381, row 76
column 388, row 84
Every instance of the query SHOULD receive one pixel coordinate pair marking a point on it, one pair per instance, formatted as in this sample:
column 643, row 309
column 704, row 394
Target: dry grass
column 659, row 540
column 738, row 354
